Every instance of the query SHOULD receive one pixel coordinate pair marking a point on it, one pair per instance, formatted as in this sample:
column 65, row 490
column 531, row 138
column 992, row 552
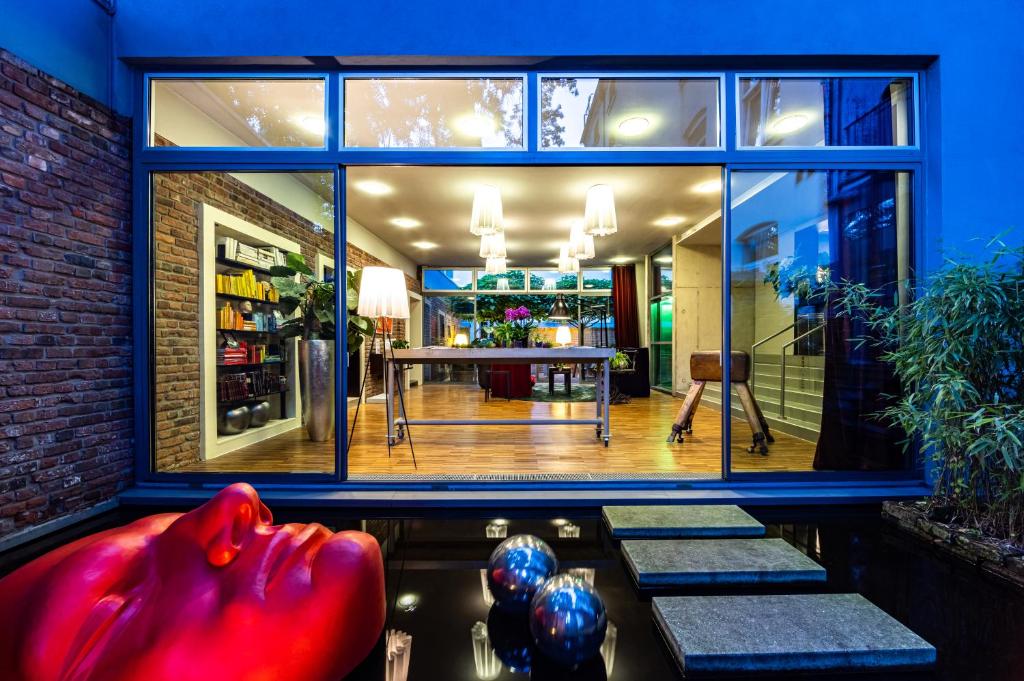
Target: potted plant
column 314, row 324
column 521, row 324
column 619, row 361
column 504, row 333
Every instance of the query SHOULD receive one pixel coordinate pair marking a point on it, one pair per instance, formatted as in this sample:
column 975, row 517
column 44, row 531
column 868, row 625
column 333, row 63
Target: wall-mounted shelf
column 234, row 264
column 232, row 296
column 250, row 365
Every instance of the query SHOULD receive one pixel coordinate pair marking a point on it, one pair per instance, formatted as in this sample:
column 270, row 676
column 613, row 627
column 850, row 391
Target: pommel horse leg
column 684, row 420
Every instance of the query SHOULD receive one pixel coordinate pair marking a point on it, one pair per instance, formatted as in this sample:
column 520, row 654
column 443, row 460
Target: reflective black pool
column 442, row 626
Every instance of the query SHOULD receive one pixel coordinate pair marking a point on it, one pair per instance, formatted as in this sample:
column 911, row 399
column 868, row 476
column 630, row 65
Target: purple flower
column 513, row 314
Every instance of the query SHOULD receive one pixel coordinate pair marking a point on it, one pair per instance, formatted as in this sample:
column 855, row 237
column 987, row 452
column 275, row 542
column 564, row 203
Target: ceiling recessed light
column 475, row 125
column 373, row 187
column 619, row 260
column 783, row 125
column 670, row 221
column 633, row 126
column 424, row 245
column 708, row 187
column 405, row 223
column 313, row 124
column 663, row 259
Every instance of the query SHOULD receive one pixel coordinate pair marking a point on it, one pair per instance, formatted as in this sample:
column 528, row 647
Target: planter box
column 990, row 555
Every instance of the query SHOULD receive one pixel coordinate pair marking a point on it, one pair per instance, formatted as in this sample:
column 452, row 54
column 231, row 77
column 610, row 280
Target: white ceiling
column 538, row 202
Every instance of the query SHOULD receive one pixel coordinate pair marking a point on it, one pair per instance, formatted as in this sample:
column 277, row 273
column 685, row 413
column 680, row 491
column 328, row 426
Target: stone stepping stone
column 831, row 633
column 679, row 522
column 731, row 562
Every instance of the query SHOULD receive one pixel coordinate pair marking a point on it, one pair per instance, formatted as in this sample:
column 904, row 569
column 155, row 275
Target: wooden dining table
column 600, row 357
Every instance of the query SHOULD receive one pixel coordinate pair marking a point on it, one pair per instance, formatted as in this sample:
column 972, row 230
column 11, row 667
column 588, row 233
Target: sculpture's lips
column 288, row 552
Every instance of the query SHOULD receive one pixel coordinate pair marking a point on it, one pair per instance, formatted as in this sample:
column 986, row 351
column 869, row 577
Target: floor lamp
column 383, row 298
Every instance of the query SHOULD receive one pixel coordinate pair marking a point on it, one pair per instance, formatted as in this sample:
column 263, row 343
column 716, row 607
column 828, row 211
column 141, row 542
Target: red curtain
column 627, row 324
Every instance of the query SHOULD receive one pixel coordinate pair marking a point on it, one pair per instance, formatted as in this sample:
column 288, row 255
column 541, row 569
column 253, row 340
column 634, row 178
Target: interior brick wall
column 65, row 299
column 177, row 198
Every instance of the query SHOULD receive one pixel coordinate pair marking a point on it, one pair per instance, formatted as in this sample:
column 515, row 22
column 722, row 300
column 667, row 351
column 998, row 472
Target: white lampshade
column 563, row 336
column 493, row 246
column 566, row 263
column 503, row 284
column 599, row 217
column 487, row 215
column 461, row 340
column 581, row 244
column 382, row 293
column 495, row 266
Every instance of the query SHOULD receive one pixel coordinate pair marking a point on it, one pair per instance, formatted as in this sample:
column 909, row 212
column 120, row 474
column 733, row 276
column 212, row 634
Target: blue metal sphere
column 517, row 570
column 568, row 620
column 510, row 639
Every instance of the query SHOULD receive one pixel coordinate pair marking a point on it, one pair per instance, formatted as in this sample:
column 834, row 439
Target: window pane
column 834, row 112
column 236, row 112
column 598, row 279
column 597, row 321
column 444, row 317
column 448, row 280
column 228, row 384
column 512, row 280
column 661, row 271
column 553, row 280
column 629, row 112
column 434, row 112
column 795, row 234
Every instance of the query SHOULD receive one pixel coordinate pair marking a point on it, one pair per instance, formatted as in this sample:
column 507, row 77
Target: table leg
column 389, row 398
column 605, row 386
column 598, row 393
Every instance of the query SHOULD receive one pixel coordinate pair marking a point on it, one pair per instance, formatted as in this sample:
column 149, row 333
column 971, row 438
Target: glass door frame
column 334, row 156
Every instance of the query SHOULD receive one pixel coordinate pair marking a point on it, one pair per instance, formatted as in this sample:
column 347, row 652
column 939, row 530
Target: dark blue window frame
column 335, row 157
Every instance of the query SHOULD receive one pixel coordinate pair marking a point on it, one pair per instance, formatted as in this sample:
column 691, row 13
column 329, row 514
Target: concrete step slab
column 727, row 562
column 713, row 635
column 679, row 522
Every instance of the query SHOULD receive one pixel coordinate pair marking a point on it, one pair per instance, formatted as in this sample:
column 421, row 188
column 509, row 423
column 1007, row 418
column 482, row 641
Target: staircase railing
column 782, row 364
column 753, row 352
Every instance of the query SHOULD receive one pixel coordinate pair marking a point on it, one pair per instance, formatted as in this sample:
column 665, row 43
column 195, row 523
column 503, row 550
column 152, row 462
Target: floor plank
column 638, row 445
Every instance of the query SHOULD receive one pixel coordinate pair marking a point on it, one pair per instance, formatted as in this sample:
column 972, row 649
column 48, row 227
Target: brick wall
column 65, row 299
column 177, row 197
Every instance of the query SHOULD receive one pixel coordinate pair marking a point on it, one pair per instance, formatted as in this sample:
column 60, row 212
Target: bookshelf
column 244, row 360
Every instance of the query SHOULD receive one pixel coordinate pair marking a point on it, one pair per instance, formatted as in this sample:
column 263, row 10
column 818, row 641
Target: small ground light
column 408, row 602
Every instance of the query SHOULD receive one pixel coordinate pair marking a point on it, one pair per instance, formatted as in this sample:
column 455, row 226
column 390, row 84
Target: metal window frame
column 811, row 75
column 521, row 76
column 718, row 76
column 148, row 160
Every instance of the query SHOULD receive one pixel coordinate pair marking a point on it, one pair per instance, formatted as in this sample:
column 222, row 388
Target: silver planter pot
column 316, row 376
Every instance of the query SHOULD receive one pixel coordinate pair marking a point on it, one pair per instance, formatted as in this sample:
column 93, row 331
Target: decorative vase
column 519, row 343
column 316, row 375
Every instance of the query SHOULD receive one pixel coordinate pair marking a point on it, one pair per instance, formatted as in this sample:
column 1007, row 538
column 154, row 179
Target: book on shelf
column 231, row 318
column 246, row 285
column 258, row 256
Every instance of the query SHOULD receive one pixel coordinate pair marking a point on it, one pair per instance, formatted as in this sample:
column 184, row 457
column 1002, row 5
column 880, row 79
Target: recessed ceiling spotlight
column 475, row 125
column 634, row 125
column 373, row 187
column 313, row 124
column 424, row 245
column 783, row 125
column 708, row 187
column 620, row 260
column 405, row 223
column 670, row 221
column 663, row 260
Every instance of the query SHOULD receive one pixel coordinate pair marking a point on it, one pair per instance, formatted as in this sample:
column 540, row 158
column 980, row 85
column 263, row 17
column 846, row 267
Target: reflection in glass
column 835, row 112
column 553, row 280
column 398, row 648
column 794, row 236
column 611, row 639
column 496, row 530
column 585, row 573
column 629, row 112
column 434, row 112
column 444, row 318
column 515, row 280
column 486, row 664
column 569, row 531
column 447, row 280
column 236, row 112
column 484, row 589
column 598, row 279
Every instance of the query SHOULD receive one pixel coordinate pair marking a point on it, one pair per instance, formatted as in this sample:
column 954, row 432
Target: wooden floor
column 639, row 431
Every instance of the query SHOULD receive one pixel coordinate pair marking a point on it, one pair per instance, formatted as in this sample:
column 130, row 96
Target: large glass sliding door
column 798, row 240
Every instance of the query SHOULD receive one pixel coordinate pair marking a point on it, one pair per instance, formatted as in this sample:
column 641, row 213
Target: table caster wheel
column 606, row 441
column 401, row 434
column 764, row 450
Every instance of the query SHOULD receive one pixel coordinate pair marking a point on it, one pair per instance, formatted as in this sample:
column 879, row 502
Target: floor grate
column 530, row 477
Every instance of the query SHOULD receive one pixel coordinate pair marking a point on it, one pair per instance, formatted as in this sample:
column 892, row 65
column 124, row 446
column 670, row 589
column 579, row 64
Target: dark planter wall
column 65, row 300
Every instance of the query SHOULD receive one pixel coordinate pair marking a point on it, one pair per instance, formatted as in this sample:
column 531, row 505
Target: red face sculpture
column 218, row 593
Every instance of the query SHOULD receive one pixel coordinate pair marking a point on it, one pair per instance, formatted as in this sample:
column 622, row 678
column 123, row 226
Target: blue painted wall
column 69, row 39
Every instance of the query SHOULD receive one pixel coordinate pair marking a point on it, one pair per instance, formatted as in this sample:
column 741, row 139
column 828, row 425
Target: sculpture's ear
column 228, row 520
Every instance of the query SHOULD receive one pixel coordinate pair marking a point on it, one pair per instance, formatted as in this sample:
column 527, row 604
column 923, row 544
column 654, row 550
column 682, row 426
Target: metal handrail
column 782, row 369
column 753, row 352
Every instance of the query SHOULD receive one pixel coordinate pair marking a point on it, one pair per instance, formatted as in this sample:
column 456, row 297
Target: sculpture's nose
column 228, row 519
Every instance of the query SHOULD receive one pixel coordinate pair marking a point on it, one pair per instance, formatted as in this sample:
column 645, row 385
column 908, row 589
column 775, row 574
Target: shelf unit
column 285, row 404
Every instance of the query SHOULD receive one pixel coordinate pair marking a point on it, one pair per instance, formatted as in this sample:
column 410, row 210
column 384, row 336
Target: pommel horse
column 706, row 366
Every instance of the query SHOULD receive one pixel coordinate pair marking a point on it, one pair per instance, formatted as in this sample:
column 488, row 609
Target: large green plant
column 314, row 299
column 957, row 351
